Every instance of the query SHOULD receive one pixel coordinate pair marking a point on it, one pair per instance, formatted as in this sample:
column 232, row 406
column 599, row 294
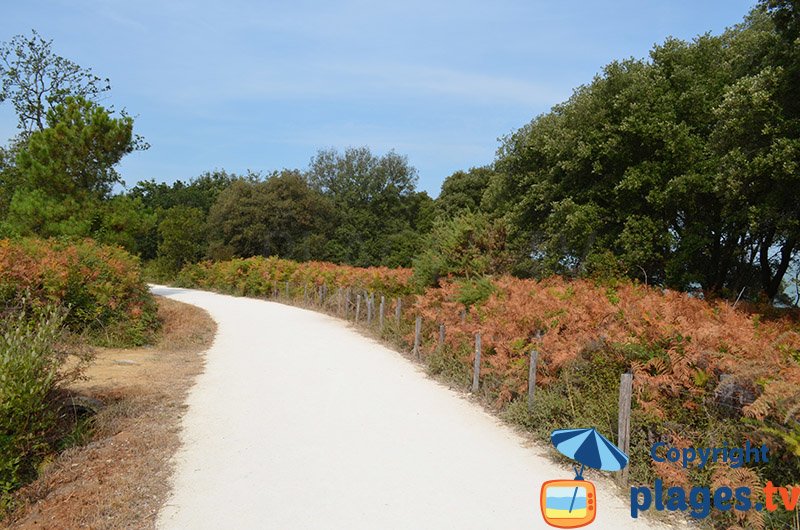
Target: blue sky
column 262, row 85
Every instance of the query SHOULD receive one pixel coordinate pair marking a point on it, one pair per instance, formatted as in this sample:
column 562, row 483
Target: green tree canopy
column 378, row 213
column 199, row 192
column 65, row 172
column 281, row 216
column 76, row 154
column 183, row 237
column 158, row 198
column 681, row 168
column 469, row 245
column 463, row 191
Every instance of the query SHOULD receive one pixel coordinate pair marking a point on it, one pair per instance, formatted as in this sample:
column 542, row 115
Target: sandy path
column 300, row 422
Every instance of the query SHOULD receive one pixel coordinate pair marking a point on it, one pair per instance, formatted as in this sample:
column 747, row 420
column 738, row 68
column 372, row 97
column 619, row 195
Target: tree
column 158, row 198
column 199, row 192
column 35, row 80
column 463, row 191
column 758, row 139
column 281, row 216
column 124, row 221
column 76, row 154
column 183, row 237
column 359, row 177
column 7, row 179
column 375, row 205
column 575, row 180
column 679, row 170
column 64, row 172
column 34, row 212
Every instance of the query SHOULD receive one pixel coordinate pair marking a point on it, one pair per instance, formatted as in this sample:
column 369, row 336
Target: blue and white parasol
column 589, row 448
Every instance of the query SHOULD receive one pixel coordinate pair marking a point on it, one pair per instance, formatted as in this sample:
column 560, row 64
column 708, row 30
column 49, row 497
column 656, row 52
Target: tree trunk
column 771, row 283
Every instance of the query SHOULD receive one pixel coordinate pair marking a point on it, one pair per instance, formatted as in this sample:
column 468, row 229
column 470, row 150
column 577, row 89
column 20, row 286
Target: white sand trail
column 300, row 422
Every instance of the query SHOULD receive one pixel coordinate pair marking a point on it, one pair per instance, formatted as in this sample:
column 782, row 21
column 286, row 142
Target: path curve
column 300, row 422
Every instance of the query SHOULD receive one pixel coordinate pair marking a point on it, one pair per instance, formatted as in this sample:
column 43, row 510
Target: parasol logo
column 573, row 503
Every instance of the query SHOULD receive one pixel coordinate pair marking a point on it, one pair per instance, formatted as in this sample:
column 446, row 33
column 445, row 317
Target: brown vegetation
column 121, row 477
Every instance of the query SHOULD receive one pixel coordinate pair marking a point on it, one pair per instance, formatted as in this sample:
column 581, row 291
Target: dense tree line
column 678, row 170
column 350, row 207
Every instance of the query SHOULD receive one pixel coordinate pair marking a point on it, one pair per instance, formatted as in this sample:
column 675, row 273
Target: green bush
column 33, row 350
column 468, row 245
column 472, row 292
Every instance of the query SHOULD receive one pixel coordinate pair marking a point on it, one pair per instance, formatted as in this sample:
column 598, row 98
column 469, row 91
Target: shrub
column 33, row 351
column 475, row 291
column 468, row 245
column 101, row 285
column 258, row 276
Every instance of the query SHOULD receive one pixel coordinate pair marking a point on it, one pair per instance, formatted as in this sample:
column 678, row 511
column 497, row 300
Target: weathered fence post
column 532, row 378
column 383, row 309
column 369, row 310
column 398, row 310
column 347, row 304
column 441, row 336
column 358, row 306
column 417, row 333
column 338, row 301
column 476, row 367
column 624, row 423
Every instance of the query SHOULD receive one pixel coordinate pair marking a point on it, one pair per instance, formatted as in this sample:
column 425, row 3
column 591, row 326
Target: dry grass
column 121, row 478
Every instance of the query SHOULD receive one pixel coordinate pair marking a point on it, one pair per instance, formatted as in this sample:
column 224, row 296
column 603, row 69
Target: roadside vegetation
column 100, row 287
column 115, row 473
column 57, row 299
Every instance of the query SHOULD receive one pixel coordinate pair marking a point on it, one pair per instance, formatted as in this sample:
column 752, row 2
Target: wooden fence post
column 347, row 303
column 383, row 309
column 624, row 423
column 532, row 378
column 441, row 336
column 398, row 310
column 417, row 333
column 338, row 301
column 476, row 367
column 358, row 306
column 369, row 309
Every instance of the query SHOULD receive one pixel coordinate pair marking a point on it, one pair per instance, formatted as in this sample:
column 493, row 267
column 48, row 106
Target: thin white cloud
column 346, row 81
column 467, row 85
